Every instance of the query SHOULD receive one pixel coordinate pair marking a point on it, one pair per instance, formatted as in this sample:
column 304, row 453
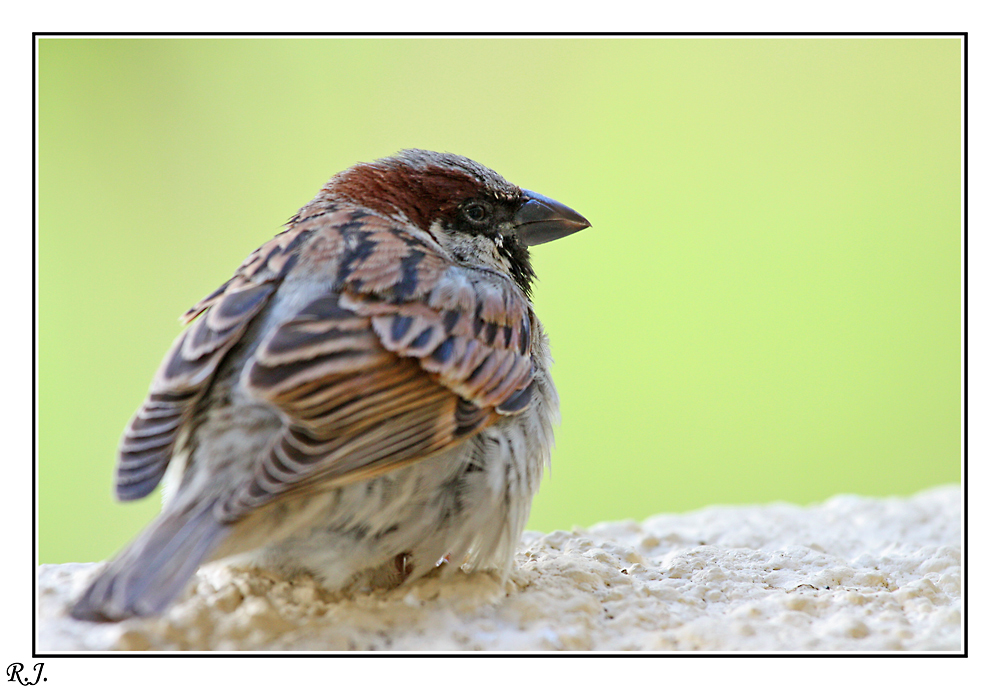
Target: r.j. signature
column 15, row 670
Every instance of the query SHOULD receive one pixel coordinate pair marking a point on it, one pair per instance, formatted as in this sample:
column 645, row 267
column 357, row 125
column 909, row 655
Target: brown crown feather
column 423, row 186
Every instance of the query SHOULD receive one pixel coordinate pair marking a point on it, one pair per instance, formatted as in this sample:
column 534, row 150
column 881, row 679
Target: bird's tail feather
column 151, row 571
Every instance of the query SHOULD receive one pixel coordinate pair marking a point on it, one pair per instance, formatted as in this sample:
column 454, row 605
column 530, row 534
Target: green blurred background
column 767, row 306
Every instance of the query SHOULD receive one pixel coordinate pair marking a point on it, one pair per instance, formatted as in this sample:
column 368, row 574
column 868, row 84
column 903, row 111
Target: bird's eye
column 477, row 212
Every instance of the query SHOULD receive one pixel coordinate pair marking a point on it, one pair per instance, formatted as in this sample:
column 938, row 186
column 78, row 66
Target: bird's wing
column 407, row 355
column 188, row 367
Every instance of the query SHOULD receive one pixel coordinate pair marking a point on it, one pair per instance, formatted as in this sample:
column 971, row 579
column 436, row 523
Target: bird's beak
column 541, row 219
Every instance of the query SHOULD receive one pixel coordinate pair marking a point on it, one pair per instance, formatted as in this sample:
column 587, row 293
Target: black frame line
column 598, row 654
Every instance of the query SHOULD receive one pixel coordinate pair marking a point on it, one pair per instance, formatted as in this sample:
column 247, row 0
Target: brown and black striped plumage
column 388, row 327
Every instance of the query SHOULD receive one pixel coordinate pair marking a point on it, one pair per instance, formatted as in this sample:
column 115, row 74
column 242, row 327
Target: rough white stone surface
column 850, row 574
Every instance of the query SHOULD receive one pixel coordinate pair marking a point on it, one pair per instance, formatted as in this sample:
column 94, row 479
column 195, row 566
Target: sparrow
column 367, row 398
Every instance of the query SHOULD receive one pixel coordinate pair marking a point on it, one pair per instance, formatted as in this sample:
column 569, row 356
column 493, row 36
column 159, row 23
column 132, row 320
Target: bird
column 366, row 399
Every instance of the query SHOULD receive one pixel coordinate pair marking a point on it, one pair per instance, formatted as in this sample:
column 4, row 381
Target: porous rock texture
column 850, row 574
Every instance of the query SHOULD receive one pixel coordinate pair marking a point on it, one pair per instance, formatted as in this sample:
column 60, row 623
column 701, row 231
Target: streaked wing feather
column 407, row 356
column 148, row 442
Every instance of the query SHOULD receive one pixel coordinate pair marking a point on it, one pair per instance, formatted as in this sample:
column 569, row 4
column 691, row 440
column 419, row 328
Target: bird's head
column 473, row 213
